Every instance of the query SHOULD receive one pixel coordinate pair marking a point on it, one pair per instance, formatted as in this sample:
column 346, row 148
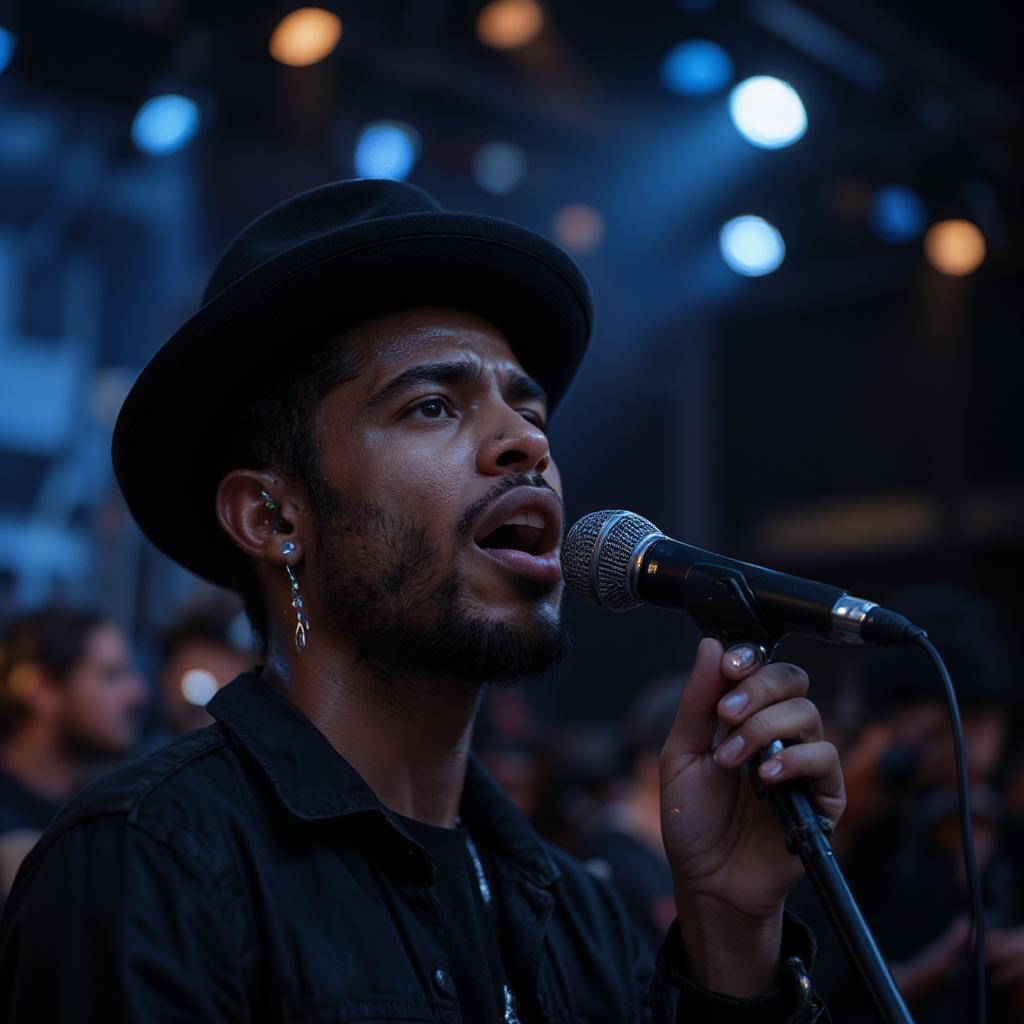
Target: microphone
column 620, row 560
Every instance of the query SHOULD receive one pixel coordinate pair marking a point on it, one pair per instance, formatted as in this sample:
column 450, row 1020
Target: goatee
column 375, row 571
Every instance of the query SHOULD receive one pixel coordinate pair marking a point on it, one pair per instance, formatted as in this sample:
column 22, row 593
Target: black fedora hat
column 316, row 263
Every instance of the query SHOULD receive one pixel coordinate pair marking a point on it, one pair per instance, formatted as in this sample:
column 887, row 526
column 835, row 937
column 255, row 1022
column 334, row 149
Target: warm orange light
column 305, row 36
column 954, row 247
column 509, row 24
column 579, row 227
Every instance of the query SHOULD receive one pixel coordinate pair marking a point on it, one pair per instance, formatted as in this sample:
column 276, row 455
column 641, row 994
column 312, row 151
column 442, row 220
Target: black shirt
column 246, row 873
column 469, row 914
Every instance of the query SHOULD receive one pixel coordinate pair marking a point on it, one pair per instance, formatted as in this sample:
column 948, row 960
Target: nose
column 512, row 442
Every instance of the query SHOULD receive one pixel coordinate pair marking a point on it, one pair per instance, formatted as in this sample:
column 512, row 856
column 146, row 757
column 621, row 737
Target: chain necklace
column 510, row 1015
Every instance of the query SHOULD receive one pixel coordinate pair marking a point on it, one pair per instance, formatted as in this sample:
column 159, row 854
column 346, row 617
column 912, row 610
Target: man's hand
column 729, row 860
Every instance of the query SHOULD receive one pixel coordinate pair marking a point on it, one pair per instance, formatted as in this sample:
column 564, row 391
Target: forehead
column 395, row 341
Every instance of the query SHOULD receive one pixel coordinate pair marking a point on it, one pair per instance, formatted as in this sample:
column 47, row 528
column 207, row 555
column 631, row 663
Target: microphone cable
column 975, row 908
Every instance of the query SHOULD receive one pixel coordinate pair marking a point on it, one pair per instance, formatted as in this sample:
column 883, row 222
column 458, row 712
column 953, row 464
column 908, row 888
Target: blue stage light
column 499, row 166
column 165, row 124
column 386, row 149
column 8, row 44
column 898, row 214
column 751, row 246
column 697, row 67
column 767, row 112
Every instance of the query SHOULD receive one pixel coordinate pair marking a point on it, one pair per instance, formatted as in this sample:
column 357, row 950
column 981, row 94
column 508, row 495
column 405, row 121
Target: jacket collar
column 313, row 782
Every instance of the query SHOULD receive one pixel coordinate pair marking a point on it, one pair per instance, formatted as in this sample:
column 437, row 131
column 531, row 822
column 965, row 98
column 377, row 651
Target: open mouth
column 522, row 530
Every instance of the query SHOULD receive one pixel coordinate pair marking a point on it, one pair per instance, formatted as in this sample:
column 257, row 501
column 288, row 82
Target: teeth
column 526, row 519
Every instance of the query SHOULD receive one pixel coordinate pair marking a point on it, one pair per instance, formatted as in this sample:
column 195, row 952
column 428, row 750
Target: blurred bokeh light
column 955, row 247
column 898, row 214
column 386, row 149
column 165, row 124
column 499, row 167
column 751, row 246
column 767, row 112
column 697, row 67
column 305, row 37
column 8, row 43
column 198, row 686
column 509, row 24
column 580, row 228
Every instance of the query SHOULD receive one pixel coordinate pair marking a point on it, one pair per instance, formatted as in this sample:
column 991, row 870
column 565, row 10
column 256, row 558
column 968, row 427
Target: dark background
column 853, row 416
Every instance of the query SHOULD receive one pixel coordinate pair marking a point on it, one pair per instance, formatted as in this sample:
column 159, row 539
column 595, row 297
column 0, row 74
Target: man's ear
column 259, row 510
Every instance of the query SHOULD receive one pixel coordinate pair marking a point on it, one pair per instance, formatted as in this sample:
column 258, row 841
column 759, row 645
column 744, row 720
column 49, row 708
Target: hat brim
column 166, row 433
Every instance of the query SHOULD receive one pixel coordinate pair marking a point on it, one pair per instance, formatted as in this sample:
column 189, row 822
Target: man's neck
column 33, row 756
column 407, row 737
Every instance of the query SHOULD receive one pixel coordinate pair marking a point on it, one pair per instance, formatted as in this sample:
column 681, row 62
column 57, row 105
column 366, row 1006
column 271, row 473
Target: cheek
column 421, row 476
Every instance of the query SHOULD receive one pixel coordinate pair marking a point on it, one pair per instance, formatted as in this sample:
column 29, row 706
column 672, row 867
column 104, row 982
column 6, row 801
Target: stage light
column 697, row 67
column 305, row 36
column 165, row 124
column 751, row 246
column 580, row 228
column 386, row 149
column 767, row 112
column 499, row 166
column 8, row 44
column 954, row 247
column 198, row 686
column 509, row 24
column 897, row 214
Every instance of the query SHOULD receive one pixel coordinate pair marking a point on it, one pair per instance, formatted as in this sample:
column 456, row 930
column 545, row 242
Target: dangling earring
column 301, row 623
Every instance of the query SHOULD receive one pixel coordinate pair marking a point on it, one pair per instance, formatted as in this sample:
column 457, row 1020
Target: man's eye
column 533, row 417
column 430, row 408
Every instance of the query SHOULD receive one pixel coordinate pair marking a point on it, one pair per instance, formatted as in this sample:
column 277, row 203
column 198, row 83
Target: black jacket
column 247, row 873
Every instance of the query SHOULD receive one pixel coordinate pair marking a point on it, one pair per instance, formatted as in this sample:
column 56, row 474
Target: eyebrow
column 459, row 371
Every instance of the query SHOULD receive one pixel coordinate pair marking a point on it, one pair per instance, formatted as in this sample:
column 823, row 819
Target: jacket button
column 444, row 981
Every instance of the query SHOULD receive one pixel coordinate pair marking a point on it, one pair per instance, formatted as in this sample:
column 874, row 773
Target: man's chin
column 503, row 594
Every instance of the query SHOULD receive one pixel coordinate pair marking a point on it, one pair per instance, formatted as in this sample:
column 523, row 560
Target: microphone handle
column 737, row 601
column 807, row 836
column 740, row 596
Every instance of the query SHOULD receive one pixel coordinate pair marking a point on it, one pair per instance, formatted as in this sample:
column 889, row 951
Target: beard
column 376, row 573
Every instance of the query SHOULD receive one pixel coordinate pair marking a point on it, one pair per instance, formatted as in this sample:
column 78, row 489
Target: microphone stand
column 732, row 617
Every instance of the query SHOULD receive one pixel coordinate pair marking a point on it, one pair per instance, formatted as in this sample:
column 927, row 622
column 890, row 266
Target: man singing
column 351, row 433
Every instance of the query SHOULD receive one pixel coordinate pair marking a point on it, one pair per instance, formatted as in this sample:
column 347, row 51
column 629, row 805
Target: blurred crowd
column 73, row 703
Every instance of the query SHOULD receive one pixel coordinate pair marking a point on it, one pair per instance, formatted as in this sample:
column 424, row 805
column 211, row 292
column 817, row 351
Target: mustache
column 470, row 517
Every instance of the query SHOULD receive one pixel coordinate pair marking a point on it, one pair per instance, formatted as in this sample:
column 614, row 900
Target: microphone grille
column 598, row 554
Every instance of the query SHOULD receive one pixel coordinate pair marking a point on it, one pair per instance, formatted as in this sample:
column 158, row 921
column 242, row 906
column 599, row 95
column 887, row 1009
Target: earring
column 301, row 623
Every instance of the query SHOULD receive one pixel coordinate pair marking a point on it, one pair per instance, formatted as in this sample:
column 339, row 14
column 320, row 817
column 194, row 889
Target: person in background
column 902, row 850
column 70, row 702
column 199, row 655
column 580, row 774
column 624, row 845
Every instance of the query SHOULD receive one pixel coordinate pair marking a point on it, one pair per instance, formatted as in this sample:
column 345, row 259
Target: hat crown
column 303, row 218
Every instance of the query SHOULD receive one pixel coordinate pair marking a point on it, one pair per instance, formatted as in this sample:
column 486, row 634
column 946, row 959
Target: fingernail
column 728, row 752
column 734, row 703
column 741, row 657
column 770, row 769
